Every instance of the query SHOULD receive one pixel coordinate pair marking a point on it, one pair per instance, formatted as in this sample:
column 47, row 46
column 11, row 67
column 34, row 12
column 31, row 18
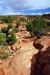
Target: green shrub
column 2, row 38
column 10, row 35
column 37, row 27
column 5, row 30
column 9, row 26
column 14, row 30
column 13, row 38
column 7, row 19
column 8, row 39
column 29, row 27
column 4, row 53
column 39, row 24
column 22, row 19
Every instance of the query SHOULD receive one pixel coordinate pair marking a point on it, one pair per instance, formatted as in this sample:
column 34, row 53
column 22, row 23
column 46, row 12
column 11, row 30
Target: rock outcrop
column 41, row 66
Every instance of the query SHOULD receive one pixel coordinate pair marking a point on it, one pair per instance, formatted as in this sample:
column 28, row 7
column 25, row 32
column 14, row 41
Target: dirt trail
column 20, row 63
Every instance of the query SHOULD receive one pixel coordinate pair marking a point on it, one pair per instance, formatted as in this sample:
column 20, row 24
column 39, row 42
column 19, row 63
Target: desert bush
column 37, row 26
column 5, row 30
column 11, row 39
column 2, row 38
column 7, row 19
column 4, row 53
column 22, row 19
column 10, row 34
column 10, row 26
column 14, row 30
column 29, row 27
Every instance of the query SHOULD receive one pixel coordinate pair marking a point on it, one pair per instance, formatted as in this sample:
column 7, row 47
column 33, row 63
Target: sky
column 24, row 7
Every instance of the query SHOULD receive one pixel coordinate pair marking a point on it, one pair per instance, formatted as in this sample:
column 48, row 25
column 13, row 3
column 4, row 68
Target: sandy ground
column 20, row 63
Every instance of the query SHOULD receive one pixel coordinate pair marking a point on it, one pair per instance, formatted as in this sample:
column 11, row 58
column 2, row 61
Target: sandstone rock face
column 42, row 63
column 45, row 41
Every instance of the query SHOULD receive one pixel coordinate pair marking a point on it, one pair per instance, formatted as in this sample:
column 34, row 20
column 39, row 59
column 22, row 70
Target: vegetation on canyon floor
column 36, row 26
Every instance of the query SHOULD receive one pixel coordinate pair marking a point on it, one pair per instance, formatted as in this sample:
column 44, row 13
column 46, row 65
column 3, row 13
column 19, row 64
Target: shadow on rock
column 40, row 64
